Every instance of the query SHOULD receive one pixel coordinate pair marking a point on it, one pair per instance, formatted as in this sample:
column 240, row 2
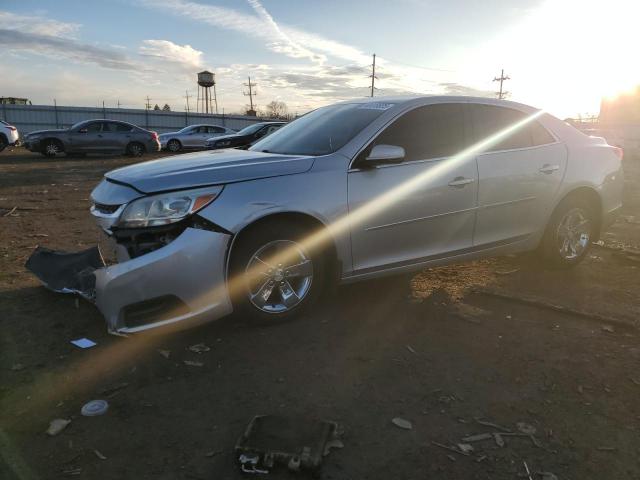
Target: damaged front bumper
column 179, row 282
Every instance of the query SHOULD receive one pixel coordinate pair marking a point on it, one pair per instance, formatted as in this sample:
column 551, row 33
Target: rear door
column 518, row 176
column 121, row 135
column 422, row 208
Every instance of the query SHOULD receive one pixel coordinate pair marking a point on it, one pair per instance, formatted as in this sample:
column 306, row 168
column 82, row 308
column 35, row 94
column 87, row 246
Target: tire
column 569, row 233
column 135, row 149
column 174, row 145
column 52, row 147
column 3, row 142
column 267, row 290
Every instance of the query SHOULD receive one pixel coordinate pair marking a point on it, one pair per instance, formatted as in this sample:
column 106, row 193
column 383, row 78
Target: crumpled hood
column 211, row 167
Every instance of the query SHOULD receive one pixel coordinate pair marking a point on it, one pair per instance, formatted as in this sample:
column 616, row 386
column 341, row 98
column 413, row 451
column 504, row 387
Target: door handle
column 99, row 135
column 460, row 182
column 546, row 168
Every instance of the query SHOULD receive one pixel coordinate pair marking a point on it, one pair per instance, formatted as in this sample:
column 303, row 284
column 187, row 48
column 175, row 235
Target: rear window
column 487, row 120
column 122, row 127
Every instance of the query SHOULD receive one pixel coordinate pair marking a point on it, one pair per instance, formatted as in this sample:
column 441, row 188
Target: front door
column 422, row 208
column 518, row 176
column 88, row 138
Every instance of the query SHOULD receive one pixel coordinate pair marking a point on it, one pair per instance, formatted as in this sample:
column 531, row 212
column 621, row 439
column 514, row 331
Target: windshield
column 251, row 129
column 186, row 129
column 322, row 131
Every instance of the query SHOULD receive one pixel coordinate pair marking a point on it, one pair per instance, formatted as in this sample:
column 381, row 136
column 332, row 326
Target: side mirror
column 383, row 154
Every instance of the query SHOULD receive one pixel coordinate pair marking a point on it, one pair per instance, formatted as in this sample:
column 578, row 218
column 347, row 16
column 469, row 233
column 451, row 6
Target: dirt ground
column 501, row 341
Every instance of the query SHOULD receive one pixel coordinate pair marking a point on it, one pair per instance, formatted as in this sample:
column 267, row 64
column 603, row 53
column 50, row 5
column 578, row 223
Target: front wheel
column 174, row 146
column 569, row 234
column 51, row 148
column 274, row 276
column 135, row 149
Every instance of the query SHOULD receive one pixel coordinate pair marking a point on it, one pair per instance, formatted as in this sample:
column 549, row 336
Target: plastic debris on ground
column 296, row 443
column 94, row 408
column 402, row 423
column 57, row 425
column 84, row 343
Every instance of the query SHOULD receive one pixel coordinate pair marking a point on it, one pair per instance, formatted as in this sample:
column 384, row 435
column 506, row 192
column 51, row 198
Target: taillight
column 154, row 135
column 12, row 128
column 619, row 152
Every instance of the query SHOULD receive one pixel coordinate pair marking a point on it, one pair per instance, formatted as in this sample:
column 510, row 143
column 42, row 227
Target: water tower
column 206, row 80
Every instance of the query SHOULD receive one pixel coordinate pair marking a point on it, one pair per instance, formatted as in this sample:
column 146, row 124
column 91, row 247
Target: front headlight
column 223, row 143
column 166, row 208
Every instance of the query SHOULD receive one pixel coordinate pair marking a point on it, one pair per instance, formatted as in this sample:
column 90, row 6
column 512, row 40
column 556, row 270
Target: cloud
column 68, row 48
column 37, row 24
column 166, row 50
column 452, row 88
column 284, row 43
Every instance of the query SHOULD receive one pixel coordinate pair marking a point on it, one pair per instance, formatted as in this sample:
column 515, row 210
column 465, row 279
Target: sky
column 561, row 55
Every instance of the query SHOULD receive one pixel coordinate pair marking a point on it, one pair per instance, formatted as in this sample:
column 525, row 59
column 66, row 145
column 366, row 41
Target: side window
column 216, row 130
column 487, row 120
column 108, row 127
column 94, row 127
column 122, row 127
column 433, row 131
column 540, row 135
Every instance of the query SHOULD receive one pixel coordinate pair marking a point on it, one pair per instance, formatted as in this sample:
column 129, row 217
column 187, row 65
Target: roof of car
column 401, row 99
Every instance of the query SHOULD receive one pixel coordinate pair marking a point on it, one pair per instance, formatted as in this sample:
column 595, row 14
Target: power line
column 502, row 94
column 373, row 74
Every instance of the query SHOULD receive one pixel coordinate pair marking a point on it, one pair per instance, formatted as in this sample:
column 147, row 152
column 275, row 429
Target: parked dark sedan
column 245, row 137
column 94, row 136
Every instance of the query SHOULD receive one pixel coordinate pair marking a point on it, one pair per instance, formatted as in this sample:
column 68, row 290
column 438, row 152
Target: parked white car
column 8, row 135
column 193, row 136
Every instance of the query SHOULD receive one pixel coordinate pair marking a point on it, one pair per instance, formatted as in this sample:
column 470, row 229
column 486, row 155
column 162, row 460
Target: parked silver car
column 193, row 136
column 347, row 192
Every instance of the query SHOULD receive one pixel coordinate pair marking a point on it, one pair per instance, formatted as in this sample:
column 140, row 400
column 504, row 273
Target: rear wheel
column 3, row 143
column 135, row 149
column 174, row 145
column 274, row 276
column 569, row 233
column 51, row 148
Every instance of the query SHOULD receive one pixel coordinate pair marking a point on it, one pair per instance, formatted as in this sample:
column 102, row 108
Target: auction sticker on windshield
column 376, row 106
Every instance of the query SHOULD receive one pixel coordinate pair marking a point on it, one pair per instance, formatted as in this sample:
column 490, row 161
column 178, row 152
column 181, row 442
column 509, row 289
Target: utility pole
column 148, row 105
column 251, row 93
column 119, row 103
column 373, row 74
column 187, row 96
column 502, row 94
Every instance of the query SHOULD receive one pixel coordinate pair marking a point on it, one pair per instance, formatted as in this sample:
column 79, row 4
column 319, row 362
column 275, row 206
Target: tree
column 277, row 109
column 156, row 107
column 166, row 108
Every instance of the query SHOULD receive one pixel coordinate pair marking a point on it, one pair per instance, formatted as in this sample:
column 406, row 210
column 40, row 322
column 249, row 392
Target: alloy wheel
column 173, row 146
column 573, row 233
column 136, row 150
column 279, row 276
column 52, row 149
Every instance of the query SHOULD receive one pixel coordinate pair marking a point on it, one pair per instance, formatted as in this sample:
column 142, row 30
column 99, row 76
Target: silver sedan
column 348, row 192
column 192, row 137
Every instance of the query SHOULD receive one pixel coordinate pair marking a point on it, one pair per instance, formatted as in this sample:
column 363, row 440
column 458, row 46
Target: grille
column 106, row 209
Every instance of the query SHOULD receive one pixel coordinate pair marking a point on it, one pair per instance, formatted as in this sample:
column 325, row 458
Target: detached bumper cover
column 190, row 270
